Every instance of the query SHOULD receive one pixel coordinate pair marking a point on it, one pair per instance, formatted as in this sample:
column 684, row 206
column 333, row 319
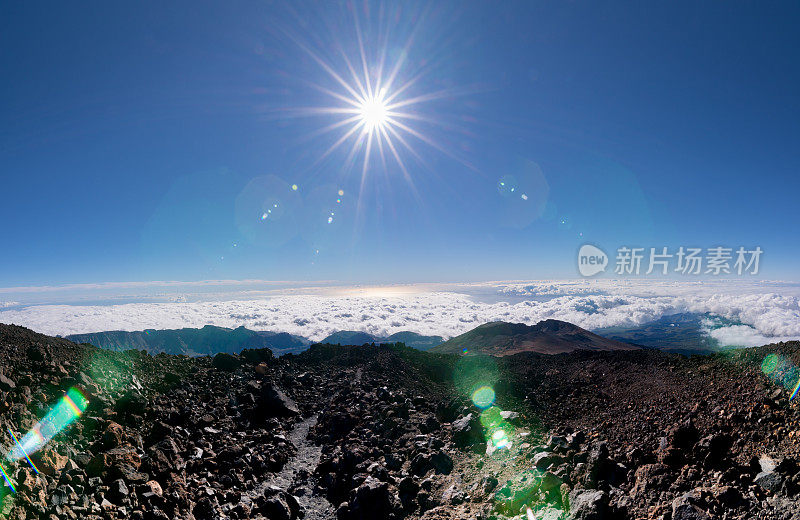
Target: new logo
column 591, row 260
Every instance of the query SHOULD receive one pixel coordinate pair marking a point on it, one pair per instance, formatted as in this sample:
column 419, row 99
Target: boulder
column 371, row 500
column 207, row 508
column 6, row 384
column 588, row 505
column 226, row 362
column 685, row 507
column 131, row 402
column 467, row 430
column 544, row 460
column 274, row 403
column 257, row 355
column 768, row 478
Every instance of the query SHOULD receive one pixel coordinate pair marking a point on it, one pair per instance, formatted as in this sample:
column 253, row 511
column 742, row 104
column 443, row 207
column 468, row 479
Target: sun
column 378, row 105
column 374, row 112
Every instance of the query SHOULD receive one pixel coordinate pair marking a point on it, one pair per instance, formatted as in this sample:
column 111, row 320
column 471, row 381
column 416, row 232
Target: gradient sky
column 138, row 140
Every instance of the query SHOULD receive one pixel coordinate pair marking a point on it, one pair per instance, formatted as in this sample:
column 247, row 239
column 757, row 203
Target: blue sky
column 139, row 141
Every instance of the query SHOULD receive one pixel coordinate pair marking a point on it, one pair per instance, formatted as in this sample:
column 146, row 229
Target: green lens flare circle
column 483, row 397
column 769, row 364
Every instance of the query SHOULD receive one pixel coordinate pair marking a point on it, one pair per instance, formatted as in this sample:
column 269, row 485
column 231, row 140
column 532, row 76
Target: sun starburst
column 378, row 105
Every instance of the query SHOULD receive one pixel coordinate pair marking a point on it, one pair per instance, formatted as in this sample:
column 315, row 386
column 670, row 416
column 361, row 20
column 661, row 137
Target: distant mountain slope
column 411, row 339
column 211, row 340
column 206, row 341
column 414, row 340
column 546, row 337
column 350, row 337
column 683, row 333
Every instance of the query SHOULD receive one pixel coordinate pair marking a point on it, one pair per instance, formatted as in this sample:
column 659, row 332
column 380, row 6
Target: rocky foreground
column 387, row 432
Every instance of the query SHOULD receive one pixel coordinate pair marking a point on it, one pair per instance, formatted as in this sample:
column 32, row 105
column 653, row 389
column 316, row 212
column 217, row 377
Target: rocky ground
column 366, row 433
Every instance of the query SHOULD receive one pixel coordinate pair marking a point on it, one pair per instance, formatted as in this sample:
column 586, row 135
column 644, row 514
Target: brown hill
column 546, row 337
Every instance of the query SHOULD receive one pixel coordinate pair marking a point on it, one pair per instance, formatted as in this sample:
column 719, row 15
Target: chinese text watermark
column 713, row 261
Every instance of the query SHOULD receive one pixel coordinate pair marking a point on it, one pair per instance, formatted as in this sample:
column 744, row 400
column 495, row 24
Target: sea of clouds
column 767, row 311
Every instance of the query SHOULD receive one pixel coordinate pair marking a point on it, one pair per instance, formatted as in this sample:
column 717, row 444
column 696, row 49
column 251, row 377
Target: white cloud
column 770, row 308
column 743, row 336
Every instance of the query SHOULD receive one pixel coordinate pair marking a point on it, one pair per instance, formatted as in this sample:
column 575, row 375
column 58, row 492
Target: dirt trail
column 297, row 475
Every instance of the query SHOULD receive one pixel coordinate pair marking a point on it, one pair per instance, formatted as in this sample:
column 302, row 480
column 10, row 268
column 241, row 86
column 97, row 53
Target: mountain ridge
column 495, row 338
column 212, row 339
column 549, row 336
column 208, row 340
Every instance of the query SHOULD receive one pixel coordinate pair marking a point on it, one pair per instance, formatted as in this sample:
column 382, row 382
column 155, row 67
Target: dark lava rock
column 178, row 437
column 256, row 356
column 685, row 508
column 371, row 500
column 274, row 403
column 679, row 440
column 768, row 478
column 467, row 430
column 279, row 505
column 132, row 402
column 207, row 508
column 226, row 362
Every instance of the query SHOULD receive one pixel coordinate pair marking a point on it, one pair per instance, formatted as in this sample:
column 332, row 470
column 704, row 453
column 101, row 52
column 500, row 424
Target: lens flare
column 796, row 388
column 473, row 372
column 500, row 439
column 769, row 364
column 507, row 185
column 17, row 443
column 7, row 479
column 781, row 371
column 64, row 413
column 483, row 397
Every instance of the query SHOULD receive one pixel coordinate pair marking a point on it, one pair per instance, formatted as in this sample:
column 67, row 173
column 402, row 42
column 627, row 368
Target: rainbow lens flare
column 7, row 479
column 18, row 444
column 796, row 388
column 500, row 440
column 498, row 431
column 781, row 371
column 64, row 413
column 483, row 397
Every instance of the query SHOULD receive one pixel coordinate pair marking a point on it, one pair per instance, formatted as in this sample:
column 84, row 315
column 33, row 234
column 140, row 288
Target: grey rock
column 467, row 430
column 685, row 508
column 118, row 490
column 373, row 499
column 274, row 403
column 543, row 460
column 6, row 384
column 769, row 478
column 588, row 505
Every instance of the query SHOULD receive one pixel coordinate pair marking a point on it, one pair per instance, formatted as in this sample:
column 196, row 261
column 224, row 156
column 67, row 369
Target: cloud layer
column 770, row 309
